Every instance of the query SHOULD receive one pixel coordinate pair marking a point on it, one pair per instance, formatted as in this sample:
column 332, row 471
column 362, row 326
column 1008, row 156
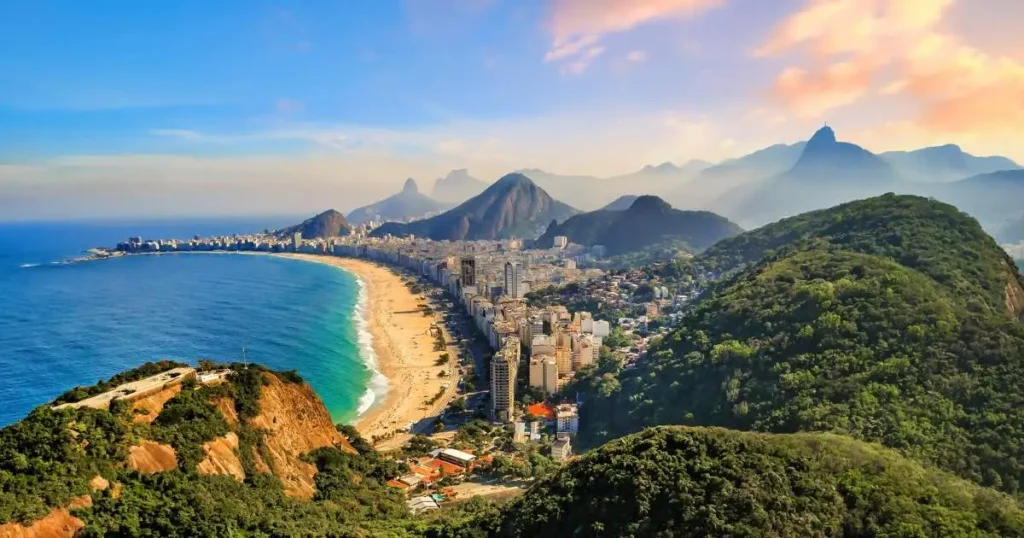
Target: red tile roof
column 541, row 410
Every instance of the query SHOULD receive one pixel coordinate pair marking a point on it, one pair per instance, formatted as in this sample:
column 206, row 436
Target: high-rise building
column 504, row 368
column 561, row 241
column 513, row 280
column 296, row 240
column 468, row 272
column 563, row 352
column 544, row 373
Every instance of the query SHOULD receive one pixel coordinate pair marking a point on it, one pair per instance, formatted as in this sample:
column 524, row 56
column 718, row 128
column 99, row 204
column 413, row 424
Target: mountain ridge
column 514, row 206
column 403, row 205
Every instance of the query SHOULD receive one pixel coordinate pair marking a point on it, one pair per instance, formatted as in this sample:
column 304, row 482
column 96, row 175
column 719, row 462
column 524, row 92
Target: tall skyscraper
column 468, row 272
column 296, row 240
column 513, row 280
column 504, row 368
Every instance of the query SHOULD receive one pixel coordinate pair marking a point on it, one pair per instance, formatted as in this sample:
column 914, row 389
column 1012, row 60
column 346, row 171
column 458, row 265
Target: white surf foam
column 378, row 384
column 27, row 265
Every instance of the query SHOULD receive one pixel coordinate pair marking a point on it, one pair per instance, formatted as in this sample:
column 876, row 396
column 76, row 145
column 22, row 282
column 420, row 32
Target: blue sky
column 153, row 101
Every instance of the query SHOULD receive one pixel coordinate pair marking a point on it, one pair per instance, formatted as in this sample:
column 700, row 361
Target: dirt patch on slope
column 151, row 457
column 222, row 457
column 57, row 524
column 147, row 409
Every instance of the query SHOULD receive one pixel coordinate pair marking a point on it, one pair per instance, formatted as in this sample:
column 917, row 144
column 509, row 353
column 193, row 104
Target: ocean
column 63, row 325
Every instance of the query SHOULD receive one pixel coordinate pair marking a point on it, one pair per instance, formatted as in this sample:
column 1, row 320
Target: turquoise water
column 67, row 325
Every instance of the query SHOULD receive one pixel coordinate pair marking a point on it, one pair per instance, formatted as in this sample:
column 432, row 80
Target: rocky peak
column 410, row 187
column 824, row 137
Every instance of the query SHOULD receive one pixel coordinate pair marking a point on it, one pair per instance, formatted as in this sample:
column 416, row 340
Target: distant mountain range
column 828, row 172
column 330, row 223
column 648, row 221
column 590, row 192
column 786, row 179
column 405, row 205
column 944, row 163
column 457, row 186
column 514, row 206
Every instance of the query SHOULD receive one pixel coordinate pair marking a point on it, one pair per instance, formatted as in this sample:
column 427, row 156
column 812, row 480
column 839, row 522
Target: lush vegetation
column 681, row 482
column 818, row 337
column 933, row 238
column 146, row 370
column 187, row 421
column 49, row 457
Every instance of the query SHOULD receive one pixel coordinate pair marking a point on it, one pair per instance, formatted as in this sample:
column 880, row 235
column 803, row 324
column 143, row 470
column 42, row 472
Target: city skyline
column 249, row 108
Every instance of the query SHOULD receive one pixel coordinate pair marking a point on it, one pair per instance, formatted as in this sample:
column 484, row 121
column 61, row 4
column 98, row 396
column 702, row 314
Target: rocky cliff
column 287, row 422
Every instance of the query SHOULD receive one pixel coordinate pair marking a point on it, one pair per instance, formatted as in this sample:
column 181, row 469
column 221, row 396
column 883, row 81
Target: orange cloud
column 577, row 24
column 810, row 94
column 903, row 46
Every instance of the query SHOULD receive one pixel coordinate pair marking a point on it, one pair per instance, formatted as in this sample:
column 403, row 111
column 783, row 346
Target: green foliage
column 419, row 445
column 933, row 238
column 698, row 482
column 146, row 370
column 827, row 340
column 49, row 457
column 186, row 422
column 247, row 384
column 358, row 484
column 358, row 442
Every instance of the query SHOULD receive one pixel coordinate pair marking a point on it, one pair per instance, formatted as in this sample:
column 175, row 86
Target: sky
column 124, row 108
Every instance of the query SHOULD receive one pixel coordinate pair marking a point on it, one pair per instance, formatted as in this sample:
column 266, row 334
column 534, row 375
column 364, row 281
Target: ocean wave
column 28, row 265
column 378, row 384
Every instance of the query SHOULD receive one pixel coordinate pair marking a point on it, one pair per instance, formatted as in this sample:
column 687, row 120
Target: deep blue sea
column 63, row 325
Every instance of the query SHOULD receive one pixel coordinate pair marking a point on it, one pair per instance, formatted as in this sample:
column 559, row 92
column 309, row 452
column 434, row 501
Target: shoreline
column 399, row 352
column 400, row 356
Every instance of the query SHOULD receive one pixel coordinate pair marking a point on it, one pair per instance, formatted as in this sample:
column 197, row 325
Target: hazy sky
column 112, row 108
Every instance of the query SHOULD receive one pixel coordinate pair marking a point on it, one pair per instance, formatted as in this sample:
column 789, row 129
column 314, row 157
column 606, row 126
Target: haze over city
column 112, row 109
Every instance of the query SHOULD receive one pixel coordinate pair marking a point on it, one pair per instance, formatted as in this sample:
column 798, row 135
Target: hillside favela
column 491, row 268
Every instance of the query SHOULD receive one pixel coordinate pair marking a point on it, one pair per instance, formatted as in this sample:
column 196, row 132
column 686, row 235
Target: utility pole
column 245, row 362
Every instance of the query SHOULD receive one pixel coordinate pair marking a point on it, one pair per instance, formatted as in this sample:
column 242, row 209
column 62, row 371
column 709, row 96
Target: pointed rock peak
column 410, row 187
column 824, row 136
column 649, row 203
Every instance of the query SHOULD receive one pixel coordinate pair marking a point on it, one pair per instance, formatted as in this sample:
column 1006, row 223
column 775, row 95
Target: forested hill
column 699, row 482
column 931, row 237
column 888, row 327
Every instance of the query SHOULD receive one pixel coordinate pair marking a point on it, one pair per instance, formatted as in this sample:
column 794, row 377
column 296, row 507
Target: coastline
column 395, row 336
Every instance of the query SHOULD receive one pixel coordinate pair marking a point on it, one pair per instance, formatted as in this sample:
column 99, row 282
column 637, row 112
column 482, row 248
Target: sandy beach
column 404, row 347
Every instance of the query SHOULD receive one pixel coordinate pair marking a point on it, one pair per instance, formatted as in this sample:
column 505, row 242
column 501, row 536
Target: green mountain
column 892, row 320
column 405, row 205
column 330, row 223
column 699, row 482
column 514, row 206
column 648, row 221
